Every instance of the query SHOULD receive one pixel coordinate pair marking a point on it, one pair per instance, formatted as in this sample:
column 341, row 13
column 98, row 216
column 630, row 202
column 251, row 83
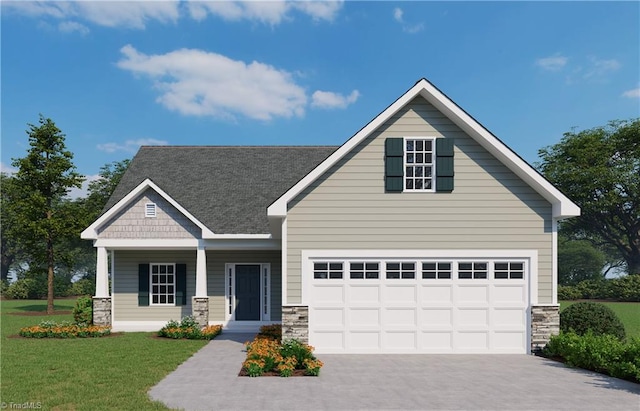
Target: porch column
column 102, row 273
column 201, row 271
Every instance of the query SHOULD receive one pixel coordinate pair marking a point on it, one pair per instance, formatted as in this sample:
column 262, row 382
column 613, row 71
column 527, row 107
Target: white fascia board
column 239, row 237
column 187, row 244
column 91, row 232
column 279, row 207
column 562, row 207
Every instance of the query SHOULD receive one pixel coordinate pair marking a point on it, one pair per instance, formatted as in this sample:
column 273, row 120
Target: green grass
column 83, row 374
column 629, row 314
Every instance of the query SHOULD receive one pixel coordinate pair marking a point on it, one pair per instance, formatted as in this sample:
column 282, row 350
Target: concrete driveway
column 209, row 381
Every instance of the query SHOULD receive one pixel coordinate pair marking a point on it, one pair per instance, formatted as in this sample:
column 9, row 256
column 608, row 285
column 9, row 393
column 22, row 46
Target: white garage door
column 406, row 305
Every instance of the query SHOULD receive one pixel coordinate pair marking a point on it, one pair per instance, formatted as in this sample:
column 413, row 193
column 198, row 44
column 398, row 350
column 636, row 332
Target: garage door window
column 439, row 270
column 327, row 270
column 509, row 270
column 472, row 270
column 362, row 270
column 404, row 270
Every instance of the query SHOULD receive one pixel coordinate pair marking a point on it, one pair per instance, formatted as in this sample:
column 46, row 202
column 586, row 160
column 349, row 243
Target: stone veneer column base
column 545, row 322
column 295, row 323
column 102, row 311
column 200, row 310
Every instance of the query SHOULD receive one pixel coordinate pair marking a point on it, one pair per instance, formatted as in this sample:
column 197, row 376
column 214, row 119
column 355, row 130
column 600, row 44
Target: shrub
column 51, row 329
column 266, row 354
column 582, row 317
column 82, row 287
column 625, row 288
column 298, row 350
column 271, row 331
column 83, row 311
column 601, row 353
column 190, row 329
column 23, row 289
column 569, row 292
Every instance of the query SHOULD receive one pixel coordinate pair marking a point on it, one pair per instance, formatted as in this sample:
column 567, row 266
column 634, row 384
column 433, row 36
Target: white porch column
column 201, row 271
column 102, row 273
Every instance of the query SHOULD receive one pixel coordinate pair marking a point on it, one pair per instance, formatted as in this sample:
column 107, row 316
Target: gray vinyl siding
column 125, row 284
column 489, row 208
column 131, row 222
column 216, row 261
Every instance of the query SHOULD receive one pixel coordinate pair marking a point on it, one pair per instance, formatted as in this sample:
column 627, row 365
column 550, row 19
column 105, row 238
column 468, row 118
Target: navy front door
column 247, row 293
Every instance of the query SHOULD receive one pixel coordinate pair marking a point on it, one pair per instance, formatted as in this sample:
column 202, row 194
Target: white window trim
column 230, row 291
column 150, row 210
column 529, row 257
column 175, row 285
column 405, row 164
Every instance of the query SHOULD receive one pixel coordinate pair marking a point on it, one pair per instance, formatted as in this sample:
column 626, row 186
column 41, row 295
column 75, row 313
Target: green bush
column 625, row 288
column 583, row 317
column 190, row 329
column 23, row 289
column 82, row 287
column 83, row 311
column 601, row 353
column 296, row 349
column 273, row 331
column 569, row 292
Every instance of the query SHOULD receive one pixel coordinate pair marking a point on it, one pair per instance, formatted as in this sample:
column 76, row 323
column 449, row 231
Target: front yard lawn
column 629, row 314
column 72, row 374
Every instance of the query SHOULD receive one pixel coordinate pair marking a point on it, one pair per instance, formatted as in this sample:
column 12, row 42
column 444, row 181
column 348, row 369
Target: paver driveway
column 209, row 381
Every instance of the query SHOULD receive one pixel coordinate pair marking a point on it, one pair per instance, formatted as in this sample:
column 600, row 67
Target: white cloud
column 328, row 99
column 196, row 82
column 71, row 26
column 129, row 14
column 398, row 16
column 82, row 192
column 130, row 146
column 633, row 93
column 4, row 168
column 600, row 68
column 552, row 63
column 269, row 12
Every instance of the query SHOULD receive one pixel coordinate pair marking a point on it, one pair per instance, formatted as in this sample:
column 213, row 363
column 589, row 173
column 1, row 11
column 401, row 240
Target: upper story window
column 150, row 210
column 418, row 163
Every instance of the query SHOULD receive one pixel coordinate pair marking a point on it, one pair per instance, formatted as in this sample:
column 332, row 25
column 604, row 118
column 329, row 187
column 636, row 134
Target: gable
column 131, row 222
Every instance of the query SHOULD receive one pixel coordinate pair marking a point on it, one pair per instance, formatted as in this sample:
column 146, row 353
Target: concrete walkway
column 209, row 381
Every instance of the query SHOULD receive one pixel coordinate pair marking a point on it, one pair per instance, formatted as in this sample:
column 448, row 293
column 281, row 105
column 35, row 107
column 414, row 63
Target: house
column 423, row 233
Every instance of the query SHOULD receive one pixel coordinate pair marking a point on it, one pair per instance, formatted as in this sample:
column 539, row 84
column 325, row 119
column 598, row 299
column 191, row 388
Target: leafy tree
column 45, row 175
column 101, row 189
column 10, row 246
column 599, row 169
column 578, row 260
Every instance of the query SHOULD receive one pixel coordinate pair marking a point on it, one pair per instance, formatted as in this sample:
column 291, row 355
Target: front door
column 247, row 293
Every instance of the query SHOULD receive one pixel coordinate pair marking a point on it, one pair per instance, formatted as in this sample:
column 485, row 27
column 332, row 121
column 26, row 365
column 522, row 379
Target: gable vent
column 150, row 210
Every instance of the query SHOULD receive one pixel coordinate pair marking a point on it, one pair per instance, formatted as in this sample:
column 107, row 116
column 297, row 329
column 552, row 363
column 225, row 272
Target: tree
column 10, row 248
column 101, row 189
column 599, row 169
column 45, row 175
column 578, row 260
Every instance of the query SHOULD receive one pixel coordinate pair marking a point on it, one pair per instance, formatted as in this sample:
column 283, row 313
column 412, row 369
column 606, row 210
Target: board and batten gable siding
column 132, row 223
column 489, row 208
column 125, row 285
column 216, row 278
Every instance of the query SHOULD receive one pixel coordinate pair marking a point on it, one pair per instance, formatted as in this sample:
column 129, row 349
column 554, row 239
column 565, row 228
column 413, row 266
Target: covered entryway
column 419, row 304
column 247, row 292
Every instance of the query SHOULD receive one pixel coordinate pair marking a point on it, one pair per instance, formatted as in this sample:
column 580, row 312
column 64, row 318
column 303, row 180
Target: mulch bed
column 19, row 337
column 296, row 373
column 39, row 313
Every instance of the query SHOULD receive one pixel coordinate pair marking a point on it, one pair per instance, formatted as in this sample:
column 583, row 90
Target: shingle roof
column 226, row 188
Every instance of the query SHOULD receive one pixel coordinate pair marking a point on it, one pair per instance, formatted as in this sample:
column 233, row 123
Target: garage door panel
column 328, row 317
column 436, row 317
column 509, row 341
column 435, row 294
column 365, row 341
column 473, row 317
column 397, row 294
column 399, row 341
column 472, row 294
column 399, row 317
column 509, row 294
column 469, row 341
column 364, row 317
column 436, row 341
column 328, row 341
column 364, row 294
column 328, row 294
column 505, row 317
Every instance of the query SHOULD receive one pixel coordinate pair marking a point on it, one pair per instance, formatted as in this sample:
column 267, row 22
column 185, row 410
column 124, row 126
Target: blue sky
column 115, row 75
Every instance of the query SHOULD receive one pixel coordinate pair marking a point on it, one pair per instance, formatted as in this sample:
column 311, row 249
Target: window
column 418, row 163
column 404, row 270
column 361, row 270
column 327, row 270
column 473, row 270
column 509, row 270
column 150, row 210
column 436, row 270
column 163, row 283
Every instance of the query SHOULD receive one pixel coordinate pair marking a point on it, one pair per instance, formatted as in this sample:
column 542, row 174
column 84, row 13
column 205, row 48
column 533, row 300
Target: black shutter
column 394, row 168
column 181, row 284
column 143, row 284
column 444, row 165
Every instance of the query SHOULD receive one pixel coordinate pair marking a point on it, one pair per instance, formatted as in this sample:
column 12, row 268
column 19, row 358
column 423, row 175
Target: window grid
column 163, row 283
column 418, row 163
column 508, row 270
column 436, row 270
column 473, row 270
column 401, row 270
column 362, row 270
column 328, row 270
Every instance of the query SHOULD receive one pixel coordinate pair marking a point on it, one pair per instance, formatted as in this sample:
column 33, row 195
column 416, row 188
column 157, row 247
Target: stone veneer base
column 545, row 322
column 102, row 311
column 295, row 323
column 200, row 310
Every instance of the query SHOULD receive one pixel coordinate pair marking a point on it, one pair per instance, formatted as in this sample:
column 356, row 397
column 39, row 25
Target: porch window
column 163, row 284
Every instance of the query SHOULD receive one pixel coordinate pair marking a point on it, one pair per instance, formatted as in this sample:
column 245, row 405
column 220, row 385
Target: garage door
column 407, row 305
